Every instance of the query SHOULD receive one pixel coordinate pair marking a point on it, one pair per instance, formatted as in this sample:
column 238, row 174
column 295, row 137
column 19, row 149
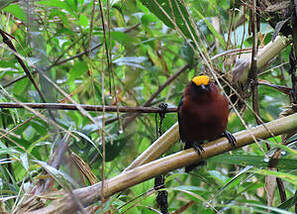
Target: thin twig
column 183, row 208
column 77, row 55
column 253, row 70
column 154, row 95
column 105, row 43
column 92, row 23
column 98, row 108
column 55, row 64
column 281, row 189
column 7, row 41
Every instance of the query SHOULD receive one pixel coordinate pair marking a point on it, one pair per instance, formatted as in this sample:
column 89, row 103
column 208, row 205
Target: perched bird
column 202, row 115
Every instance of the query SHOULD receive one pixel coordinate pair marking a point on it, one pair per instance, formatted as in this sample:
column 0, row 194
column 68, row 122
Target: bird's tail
column 193, row 166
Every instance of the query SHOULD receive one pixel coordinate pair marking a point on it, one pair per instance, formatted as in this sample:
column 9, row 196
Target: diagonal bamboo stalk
column 91, row 194
column 243, row 64
column 154, row 151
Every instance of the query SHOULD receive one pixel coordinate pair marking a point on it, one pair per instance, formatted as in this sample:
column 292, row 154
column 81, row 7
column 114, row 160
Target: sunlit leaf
column 16, row 10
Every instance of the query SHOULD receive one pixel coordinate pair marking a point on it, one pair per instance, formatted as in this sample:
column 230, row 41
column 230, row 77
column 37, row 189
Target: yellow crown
column 201, row 80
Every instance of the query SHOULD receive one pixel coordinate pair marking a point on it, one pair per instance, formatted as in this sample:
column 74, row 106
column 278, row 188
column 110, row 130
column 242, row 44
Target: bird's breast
column 204, row 120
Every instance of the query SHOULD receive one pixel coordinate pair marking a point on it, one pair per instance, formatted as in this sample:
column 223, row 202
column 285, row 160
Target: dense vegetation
column 120, row 53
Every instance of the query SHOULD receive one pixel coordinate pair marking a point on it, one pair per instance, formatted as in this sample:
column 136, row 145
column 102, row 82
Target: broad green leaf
column 276, row 210
column 193, row 195
column 283, row 147
column 231, row 182
column 72, row 4
column 253, row 160
column 88, row 139
column 148, row 19
column 5, row 3
column 187, row 53
column 173, row 14
column 211, row 28
column 289, row 203
column 60, row 14
column 55, row 3
column 78, row 69
column 123, row 38
column 17, row 11
column 253, row 208
column 61, row 178
column 83, row 20
column 285, row 176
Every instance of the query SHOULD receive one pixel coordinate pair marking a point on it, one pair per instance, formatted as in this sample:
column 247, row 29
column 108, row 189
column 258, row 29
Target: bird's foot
column 230, row 138
column 199, row 149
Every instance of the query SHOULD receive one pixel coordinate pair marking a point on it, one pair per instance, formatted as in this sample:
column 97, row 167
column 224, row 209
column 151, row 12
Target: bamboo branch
column 91, row 194
column 271, row 50
column 59, row 106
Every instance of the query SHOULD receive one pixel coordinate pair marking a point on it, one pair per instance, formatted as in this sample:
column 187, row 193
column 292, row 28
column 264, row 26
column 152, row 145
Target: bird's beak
column 204, row 88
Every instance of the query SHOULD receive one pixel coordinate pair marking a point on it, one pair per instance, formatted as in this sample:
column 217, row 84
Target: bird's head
column 201, row 83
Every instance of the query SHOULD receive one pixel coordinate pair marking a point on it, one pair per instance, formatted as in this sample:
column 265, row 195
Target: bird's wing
column 181, row 135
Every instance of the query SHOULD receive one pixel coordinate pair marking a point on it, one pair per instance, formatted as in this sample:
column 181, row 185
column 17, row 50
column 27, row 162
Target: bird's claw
column 199, row 149
column 230, row 138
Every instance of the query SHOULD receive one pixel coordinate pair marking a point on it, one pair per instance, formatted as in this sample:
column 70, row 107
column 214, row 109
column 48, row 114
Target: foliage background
column 144, row 50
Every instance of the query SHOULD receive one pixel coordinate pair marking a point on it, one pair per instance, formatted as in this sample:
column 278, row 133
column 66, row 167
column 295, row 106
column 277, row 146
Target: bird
column 202, row 115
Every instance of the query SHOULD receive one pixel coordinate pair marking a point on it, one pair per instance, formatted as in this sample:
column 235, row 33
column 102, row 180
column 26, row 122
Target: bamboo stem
column 154, row 151
column 271, row 50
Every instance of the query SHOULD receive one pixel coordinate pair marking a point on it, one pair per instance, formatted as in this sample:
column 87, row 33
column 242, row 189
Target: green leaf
column 56, row 3
column 62, row 179
column 148, row 19
column 283, row 147
column 24, row 161
column 20, row 87
column 253, row 160
column 289, row 203
column 286, row 176
column 60, row 14
column 17, row 11
column 171, row 12
column 83, row 20
column 187, row 53
column 123, row 38
column 78, row 69
column 5, row 3
column 89, row 140
column 231, row 182
column 276, row 210
column 211, row 28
